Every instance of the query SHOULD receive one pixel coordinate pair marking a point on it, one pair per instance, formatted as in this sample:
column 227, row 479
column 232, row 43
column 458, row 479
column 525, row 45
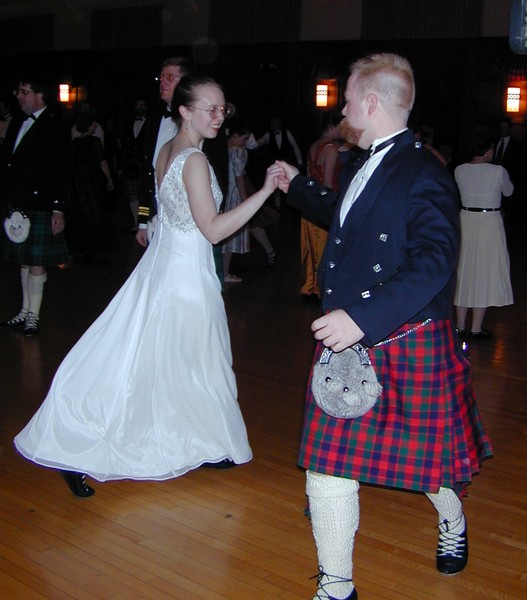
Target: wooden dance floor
column 241, row 534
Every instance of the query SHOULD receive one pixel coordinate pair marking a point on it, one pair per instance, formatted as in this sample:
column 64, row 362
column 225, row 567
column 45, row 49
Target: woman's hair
column 184, row 93
column 480, row 141
column 331, row 119
column 238, row 126
column 84, row 121
column 390, row 76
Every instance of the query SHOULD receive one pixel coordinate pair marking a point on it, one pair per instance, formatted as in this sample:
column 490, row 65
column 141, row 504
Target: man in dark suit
column 387, row 275
column 159, row 128
column 508, row 153
column 131, row 155
column 34, row 175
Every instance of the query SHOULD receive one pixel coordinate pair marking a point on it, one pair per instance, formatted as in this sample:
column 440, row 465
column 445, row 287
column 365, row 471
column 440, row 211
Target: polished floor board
column 241, row 534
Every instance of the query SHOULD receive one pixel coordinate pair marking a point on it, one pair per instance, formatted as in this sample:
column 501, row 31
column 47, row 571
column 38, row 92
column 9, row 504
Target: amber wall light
column 513, row 99
column 64, row 92
column 322, row 95
column 326, row 94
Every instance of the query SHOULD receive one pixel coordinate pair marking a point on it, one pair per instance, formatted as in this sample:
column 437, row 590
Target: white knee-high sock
column 449, row 508
column 334, row 507
column 24, row 274
column 35, row 287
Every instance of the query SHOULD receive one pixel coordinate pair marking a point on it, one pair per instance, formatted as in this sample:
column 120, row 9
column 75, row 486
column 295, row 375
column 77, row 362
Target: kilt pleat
column 424, row 432
column 41, row 248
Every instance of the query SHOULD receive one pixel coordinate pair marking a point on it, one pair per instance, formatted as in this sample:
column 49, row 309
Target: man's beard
column 349, row 133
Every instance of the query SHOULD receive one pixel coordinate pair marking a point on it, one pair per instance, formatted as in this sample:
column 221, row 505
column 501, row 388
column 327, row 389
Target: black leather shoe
column 17, row 321
column 31, row 324
column 452, row 550
column 483, row 334
column 77, row 484
column 226, row 463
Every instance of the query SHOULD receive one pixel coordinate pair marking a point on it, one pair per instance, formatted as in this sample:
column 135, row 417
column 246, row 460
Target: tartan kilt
column 424, row 432
column 41, row 248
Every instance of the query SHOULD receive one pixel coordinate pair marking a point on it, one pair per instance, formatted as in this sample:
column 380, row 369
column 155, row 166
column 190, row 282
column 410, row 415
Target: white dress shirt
column 27, row 124
column 364, row 173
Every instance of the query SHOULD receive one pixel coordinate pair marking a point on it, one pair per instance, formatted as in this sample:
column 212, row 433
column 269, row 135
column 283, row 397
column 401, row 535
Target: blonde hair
column 390, row 76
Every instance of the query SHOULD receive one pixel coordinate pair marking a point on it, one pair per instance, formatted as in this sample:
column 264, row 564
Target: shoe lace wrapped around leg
column 450, row 544
column 324, row 582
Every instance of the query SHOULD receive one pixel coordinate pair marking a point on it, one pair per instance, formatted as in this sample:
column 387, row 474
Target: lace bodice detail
column 173, row 205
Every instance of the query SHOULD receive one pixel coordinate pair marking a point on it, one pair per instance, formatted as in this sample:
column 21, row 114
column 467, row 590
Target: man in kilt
column 34, row 177
column 387, row 276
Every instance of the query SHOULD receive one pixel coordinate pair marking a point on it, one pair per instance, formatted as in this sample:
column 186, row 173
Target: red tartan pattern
column 424, row 432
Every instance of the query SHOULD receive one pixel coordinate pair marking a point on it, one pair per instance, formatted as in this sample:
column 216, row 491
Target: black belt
column 471, row 209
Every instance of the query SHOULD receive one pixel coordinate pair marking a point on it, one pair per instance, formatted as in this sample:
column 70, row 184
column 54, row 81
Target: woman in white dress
column 483, row 274
column 148, row 392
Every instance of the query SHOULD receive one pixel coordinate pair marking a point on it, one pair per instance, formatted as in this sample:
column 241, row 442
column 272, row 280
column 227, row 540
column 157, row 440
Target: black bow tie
column 30, row 117
column 167, row 114
column 142, row 118
column 277, row 131
column 374, row 149
column 366, row 154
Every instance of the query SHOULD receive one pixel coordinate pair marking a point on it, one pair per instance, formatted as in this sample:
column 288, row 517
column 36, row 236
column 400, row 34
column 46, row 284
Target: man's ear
column 371, row 102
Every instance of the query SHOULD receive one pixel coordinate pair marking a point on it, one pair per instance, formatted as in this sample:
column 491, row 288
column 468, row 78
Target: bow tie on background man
column 30, row 117
column 167, row 114
column 140, row 118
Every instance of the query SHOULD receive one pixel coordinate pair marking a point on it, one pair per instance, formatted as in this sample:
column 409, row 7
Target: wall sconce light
column 326, row 94
column 64, row 92
column 322, row 95
column 513, row 99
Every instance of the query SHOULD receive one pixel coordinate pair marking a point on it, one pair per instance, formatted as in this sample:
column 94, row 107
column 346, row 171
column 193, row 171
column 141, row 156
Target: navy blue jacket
column 394, row 259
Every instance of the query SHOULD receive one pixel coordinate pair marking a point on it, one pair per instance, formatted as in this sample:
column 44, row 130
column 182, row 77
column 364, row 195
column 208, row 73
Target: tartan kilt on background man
column 41, row 248
column 424, row 432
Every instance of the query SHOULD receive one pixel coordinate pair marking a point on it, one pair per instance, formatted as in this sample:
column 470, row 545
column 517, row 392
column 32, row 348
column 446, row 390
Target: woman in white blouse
column 483, row 274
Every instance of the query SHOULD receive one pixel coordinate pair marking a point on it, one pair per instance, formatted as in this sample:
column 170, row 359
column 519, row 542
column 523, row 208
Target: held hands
column 337, row 330
column 271, row 178
column 288, row 173
column 57, row 223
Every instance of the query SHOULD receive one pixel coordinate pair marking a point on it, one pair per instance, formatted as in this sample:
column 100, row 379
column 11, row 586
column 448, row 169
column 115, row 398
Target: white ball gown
column 148, row 392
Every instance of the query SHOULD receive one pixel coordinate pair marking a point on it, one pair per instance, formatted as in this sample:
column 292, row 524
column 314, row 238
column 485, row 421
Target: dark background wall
column 266, row 55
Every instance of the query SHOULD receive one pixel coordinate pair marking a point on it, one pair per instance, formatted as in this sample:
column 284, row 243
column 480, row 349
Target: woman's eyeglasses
column 215, row 111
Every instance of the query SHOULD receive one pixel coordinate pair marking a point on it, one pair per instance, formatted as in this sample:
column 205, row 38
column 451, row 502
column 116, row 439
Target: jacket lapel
column 376, row 184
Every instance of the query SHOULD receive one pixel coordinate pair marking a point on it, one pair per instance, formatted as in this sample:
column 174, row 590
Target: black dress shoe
column 226, row 463
column 17, row 321
column 452, row 550
column 31, row 326
column 482, row 334
column 77, row 484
